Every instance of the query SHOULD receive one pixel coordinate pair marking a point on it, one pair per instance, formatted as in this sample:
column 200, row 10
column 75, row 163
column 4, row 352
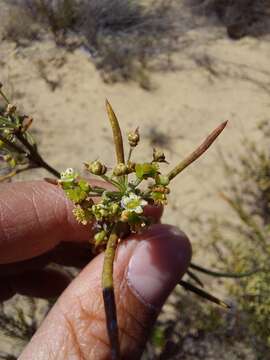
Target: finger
column 147, row 268
column 45, row 283
column 34, row 218
column 67, row 254
column 154, row 212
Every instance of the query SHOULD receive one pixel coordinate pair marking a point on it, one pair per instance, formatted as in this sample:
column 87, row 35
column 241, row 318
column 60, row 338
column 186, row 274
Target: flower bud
column 158, row 156
column 125, row 216
column 162, row 180
column 10, row 109
column 96, row 168
column 114, row 208
column 134, row 137
column 131, row 167
column 120, row 169
column 100, row 237
column 161, row 189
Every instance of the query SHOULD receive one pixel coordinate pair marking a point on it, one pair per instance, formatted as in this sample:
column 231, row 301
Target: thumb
column 146, row 269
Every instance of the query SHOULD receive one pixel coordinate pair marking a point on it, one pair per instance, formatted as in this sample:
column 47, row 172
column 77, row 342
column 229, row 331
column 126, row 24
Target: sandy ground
column 185, row 104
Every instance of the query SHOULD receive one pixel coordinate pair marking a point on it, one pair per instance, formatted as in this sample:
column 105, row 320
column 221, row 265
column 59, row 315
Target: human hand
column 37, row 227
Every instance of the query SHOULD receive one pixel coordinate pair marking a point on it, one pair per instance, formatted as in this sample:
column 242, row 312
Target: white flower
column 68, row 175
column 133, row 203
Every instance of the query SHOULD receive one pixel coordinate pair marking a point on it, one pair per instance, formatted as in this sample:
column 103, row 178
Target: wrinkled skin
column 37, row 227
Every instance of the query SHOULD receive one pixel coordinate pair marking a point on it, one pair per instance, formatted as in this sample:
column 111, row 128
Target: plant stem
column 222, row 274
column 42, row 163
column 108, row 294
column 130, row 153
column 15, row 172
column 112, row 182
column 198, row 152
column 4, row 97
column 189, row 287
column 195, row 278
column 12, row 145
column 35, row 157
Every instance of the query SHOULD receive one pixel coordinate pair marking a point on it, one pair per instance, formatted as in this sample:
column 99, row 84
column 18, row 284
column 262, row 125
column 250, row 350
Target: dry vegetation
column 122, row 37
column 241, row 17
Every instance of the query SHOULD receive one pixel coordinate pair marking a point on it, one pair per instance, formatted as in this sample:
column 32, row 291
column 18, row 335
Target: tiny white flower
column 133, row 203
column 68, row 175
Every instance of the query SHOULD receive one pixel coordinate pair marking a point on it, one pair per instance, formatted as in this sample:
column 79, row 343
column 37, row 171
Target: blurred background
column 176, row 69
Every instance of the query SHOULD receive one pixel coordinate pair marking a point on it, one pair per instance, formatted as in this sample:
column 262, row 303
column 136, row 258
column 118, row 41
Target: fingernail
column 158, row 263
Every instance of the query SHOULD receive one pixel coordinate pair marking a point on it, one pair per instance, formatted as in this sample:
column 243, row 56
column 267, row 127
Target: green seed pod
column 134, row 138
column 120, row 169
column 96, row 168
column 158, row 156
column 162, row 180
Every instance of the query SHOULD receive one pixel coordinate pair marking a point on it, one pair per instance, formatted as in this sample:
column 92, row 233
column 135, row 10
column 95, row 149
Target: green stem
column 108, row 294
column 198, row 152
column 4, row 97
column 222, row 274
column 112, row 182
column 130, row 153
column 137, row 182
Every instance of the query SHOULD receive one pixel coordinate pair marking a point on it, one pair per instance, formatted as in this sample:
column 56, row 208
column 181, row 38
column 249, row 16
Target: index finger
column 35, row 217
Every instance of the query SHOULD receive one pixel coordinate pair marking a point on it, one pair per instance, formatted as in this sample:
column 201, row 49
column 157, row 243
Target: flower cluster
column 133, row 186
column 125, row 204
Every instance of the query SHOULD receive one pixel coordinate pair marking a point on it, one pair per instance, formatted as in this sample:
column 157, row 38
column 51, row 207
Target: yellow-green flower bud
column 120, row 169
column 114, row 208
column 96, row 168
column 162, row 180
column 100, row 237
column 158, row 156
column 134, row 138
